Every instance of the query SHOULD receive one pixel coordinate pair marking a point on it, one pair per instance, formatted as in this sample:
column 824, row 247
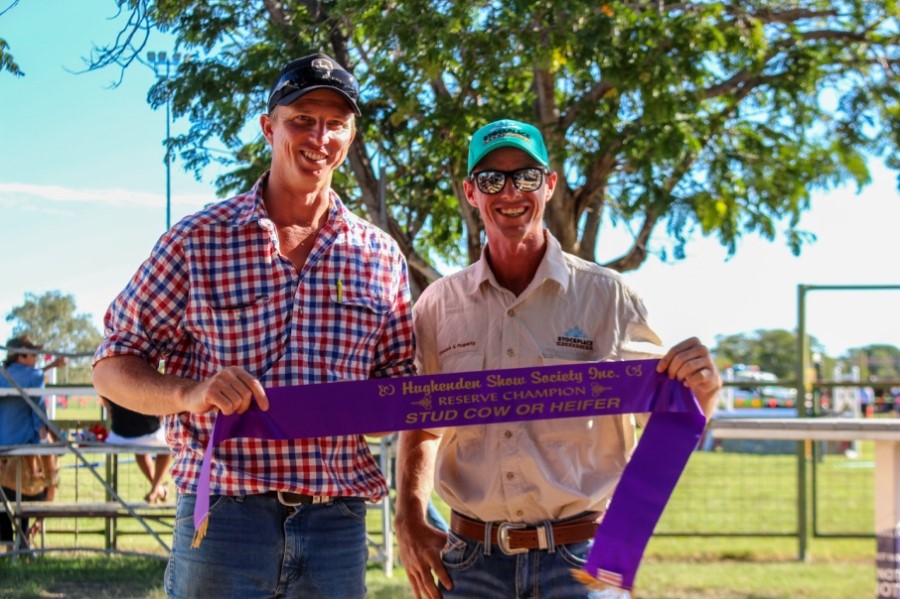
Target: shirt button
column 510, row 312
column 508, row 434
column 520, row 513
column 510, row 351
column 510, row 476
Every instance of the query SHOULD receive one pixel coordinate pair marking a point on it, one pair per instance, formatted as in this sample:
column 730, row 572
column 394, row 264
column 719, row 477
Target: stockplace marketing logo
column 575, row 338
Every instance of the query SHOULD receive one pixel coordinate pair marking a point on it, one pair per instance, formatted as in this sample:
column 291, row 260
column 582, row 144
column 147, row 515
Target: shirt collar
column 254, row 210
column 552, row 268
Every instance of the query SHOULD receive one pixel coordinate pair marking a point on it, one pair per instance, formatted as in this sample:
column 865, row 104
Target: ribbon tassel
column 599, row 584
column 200, row 533
column 201, row 502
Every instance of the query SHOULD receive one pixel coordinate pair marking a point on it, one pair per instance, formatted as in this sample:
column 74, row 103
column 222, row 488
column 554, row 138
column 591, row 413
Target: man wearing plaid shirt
column 278, row 286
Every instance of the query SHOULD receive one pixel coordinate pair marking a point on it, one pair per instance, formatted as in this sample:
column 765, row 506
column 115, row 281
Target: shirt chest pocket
column 250, row 335
column 354, row 321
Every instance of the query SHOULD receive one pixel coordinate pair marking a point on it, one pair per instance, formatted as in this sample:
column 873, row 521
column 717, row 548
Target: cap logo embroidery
column 505, row 132
column 323, row 64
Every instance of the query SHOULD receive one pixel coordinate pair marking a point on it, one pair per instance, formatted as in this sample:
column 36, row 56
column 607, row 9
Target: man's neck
column 515, row 264
column 289, row 206
column 298, row 215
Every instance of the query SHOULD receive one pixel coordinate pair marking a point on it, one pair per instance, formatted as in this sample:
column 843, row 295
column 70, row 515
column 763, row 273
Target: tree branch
column 594, row 95
column 638, row 251
column 766, row 15
column 9, row 8
column 278, row 16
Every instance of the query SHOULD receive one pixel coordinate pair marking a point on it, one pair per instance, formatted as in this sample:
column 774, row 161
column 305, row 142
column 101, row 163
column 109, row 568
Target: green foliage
column 712, row 118
column 6, row 60
column 51, row 319
column 773, row 351
column 876, row 362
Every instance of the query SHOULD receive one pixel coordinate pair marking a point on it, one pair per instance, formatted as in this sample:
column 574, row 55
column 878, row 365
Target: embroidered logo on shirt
column 576, row 338
column 461, row 345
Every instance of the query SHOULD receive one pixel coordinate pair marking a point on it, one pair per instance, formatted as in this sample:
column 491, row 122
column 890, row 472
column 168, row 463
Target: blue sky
column 82, row 200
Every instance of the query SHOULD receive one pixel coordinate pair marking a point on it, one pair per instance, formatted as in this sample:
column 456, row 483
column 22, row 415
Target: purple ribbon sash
column 485, row 397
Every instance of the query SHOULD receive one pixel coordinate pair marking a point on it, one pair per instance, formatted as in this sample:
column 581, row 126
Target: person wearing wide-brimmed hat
column 21, row 425
column 278, row 286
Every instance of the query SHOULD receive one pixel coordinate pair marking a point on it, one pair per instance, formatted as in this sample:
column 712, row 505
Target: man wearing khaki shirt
column 525, row 496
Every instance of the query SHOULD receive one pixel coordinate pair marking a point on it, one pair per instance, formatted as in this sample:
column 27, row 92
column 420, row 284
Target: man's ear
column 469, row 189
column 551, row 184
column 265, row 124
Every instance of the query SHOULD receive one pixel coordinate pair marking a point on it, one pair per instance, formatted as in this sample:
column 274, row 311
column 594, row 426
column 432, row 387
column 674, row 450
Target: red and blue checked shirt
column 215, row 292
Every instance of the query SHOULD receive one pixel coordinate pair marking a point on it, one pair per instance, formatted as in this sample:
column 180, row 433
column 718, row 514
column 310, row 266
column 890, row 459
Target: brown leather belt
column 294, row 499
column 517, row 537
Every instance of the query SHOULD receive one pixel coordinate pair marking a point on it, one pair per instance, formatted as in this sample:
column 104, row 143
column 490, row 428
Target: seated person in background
column 20, row 425
column 131, row 428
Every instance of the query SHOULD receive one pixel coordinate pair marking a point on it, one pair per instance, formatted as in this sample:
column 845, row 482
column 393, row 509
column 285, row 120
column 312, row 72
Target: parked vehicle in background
column 779, row 397
column 754, row 392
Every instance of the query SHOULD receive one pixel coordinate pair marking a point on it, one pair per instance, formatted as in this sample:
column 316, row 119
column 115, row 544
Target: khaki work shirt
column 573, row 311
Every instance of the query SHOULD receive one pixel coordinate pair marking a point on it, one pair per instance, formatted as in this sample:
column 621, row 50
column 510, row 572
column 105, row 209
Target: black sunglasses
column 306, row 77
column 525, row 179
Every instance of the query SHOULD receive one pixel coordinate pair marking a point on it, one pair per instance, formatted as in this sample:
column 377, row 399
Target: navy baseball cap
column 316, row 71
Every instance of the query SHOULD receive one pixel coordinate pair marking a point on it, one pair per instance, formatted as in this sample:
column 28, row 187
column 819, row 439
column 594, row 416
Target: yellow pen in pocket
column 340, row 291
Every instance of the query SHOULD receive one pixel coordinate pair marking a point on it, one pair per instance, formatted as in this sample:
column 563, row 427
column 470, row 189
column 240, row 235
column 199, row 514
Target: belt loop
column 488, row 528
column 547, row 529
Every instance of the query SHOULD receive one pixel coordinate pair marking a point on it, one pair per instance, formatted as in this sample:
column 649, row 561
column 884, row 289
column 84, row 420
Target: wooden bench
column 108, row 510
column 381, row 545
column 105, row 509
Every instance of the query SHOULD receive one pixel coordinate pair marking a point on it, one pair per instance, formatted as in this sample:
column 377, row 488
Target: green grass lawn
column 722, row 500
column 764, row 573
column 674, row 568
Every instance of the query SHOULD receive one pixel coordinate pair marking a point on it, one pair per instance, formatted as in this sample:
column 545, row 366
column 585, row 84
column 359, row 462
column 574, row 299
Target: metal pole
column 802, row 366
column 802, row 390
column 162, row 63
column 168, row 155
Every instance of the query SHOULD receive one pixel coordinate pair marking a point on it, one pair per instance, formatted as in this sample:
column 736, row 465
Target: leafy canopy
column 712, row 118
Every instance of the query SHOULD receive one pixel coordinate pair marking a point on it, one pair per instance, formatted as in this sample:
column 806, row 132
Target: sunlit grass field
column 722, row 499
column 753, row 569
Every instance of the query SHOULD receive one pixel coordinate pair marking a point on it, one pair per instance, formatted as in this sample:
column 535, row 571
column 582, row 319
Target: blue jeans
column 256, row 547
column 534, row 574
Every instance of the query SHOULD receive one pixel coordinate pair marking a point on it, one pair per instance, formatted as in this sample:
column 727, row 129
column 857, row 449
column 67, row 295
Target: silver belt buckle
column 283, row 501
column 503, row 537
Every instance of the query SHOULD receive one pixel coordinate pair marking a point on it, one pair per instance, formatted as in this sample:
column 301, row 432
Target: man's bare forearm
column 415, row 473
column 133, row 383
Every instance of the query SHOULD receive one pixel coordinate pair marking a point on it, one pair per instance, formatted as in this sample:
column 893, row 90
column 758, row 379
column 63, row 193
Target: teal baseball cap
column 507, row 133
